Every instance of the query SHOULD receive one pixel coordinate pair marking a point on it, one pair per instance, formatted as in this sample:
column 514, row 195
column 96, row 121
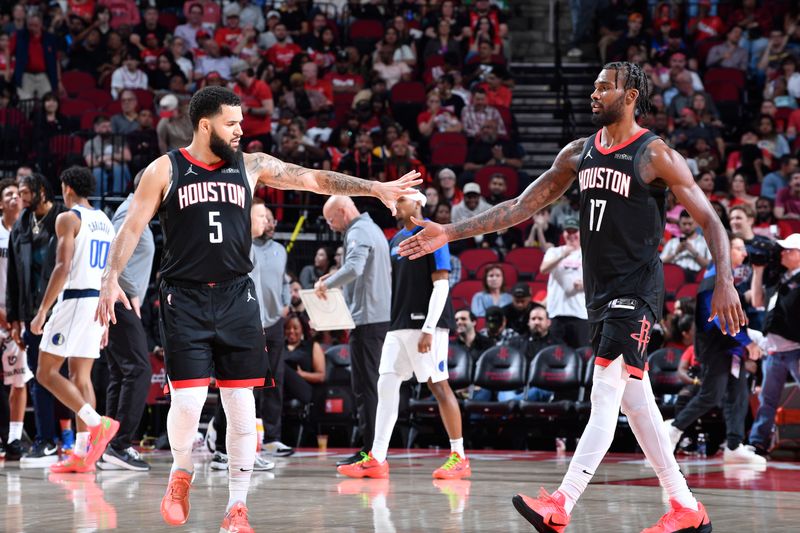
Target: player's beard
column 609, row 114
column 222, row 149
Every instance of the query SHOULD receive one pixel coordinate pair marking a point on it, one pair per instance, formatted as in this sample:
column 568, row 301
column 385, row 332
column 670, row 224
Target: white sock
column 81, row 443
column 639, row 405
column 240, row 440
column 386, row 414
column 182, row 421
column 89, row 415
column 457, row 446
column 14, row 431
column 609, row 385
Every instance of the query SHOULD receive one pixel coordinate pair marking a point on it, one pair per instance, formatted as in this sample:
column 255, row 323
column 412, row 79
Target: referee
column 366, row 277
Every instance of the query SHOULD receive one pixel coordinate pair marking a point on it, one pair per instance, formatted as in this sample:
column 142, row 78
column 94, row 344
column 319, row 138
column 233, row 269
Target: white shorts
column 15, row 362
column 71, row 330
column 400, row 355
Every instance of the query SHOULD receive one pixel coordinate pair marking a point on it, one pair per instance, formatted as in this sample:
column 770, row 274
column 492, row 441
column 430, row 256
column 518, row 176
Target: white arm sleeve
column 441, row 288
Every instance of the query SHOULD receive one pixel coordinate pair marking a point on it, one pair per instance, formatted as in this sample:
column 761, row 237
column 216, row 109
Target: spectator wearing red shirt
column 341, row 78
column 211, row 15
column 401, row 162
column 497, row 94
column 787, row 203
column 37, row 70
column 229, row 35
column 83, row 8
column 436, row 119
column 313, row 83
column 257, row 105
column 705, row 25
column 281, row 53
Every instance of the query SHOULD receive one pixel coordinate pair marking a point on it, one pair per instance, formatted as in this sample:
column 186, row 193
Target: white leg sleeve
column 639, row 405
column 607, row 390
column 240, row 409
column 386, row 415
column 182, row 421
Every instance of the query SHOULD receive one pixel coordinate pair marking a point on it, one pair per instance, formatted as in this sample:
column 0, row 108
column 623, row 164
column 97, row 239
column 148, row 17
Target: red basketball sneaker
column 682, row 520
column 546, row 513
column 175, row 504
column 366, row 467
column 235, row 520
column 72, row 463
column 456, row 467
column 99, row 437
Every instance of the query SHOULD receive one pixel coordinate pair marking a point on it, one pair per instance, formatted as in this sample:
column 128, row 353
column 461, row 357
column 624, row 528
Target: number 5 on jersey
column 216, row 235
column 601, row 208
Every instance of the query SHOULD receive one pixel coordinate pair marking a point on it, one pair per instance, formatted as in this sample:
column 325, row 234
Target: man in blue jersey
column 416, row 344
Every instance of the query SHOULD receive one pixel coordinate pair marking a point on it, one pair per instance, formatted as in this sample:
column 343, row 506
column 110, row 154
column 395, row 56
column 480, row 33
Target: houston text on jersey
column 605, row 178
column 211, row 191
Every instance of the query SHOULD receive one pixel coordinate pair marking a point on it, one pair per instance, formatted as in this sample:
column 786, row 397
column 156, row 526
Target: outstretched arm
column 669, row 166
column 541, row 193
column 281, row 175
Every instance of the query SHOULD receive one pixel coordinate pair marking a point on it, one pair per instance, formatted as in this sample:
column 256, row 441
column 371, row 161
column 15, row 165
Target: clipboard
column 330, row 314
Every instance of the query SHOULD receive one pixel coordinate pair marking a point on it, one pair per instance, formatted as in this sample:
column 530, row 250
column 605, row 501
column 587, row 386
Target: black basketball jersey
column 412, row 285
column 205, row 218
column 622, row 221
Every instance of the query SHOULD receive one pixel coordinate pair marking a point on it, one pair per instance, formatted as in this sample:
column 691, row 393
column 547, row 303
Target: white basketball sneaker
column 743, row 455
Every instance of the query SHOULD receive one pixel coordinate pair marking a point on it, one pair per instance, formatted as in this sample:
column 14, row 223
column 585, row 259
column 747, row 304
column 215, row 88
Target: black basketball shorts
column 213, row 329
column 623, row 329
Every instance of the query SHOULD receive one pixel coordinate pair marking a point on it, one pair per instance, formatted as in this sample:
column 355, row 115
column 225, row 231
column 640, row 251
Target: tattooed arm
column 659, row 161
column 272, row 171
column 541, row 193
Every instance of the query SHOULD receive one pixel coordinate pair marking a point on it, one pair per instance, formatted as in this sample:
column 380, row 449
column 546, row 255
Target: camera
column 764, row 252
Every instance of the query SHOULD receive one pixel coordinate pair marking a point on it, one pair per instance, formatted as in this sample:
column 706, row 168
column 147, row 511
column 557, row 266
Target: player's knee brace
column 240, row 410
column 188, row 402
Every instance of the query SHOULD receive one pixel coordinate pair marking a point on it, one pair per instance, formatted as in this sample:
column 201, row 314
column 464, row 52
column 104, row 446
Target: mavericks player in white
column 15, row 363
column 84, row 238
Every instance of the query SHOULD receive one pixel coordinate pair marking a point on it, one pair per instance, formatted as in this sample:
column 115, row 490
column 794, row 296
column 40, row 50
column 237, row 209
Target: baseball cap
column 342, row 55
column 202, row 34
column 521, row 290
column 494, row 314
column 571, row 223
column 213, row 75
column 168, row 102
column 273, row 13
column 792, row 242
column 239, row 66
column 472, row 188
column 447, row 173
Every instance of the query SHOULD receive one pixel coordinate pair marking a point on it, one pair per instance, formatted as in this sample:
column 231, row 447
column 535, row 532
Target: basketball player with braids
column 623, row 172
column 209, row 314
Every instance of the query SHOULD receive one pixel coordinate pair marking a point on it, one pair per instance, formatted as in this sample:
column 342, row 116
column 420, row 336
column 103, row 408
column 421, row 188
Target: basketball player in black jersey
column 209, row 313
column 623, row 172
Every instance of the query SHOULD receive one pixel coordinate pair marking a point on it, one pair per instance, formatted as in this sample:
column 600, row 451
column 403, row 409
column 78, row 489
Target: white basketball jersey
column 91, row 249
column 5, row 236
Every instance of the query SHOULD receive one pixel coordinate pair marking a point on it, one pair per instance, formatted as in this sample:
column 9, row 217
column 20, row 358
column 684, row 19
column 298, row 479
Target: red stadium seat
column 367, row 29
column 526, row 260
column 169, row 20
column 76, row 108
column 508, row 118
column 788, row 227
column 674, row 277
column 687, row 290
column 483, row 176
column 408, row 92
column 75, row 81
column 465, row 290
column 87, row 119
column 63, row 145
column 537, row 287
column 472, row 260
column 113, row 107
column 723, row 92
column 510, row 274
column 724, row 76
column 145, row 98
column 448, row 149
column 99, row 97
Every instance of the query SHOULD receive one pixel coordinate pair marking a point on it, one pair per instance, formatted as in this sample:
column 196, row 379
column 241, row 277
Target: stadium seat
column 557, row 369
column 337, row 406
column 169, row 20
column 464, row 291
column 407, row 101
column 674, row 277
column 99, row 97
column 473, row 259
column 687, row 290
column 367, row 29
column 510, row 274
column 585, row 353
column 447, row 149
column 87, row 119
column 499, row 368
column 526, row 260
column 508, row 120
column 664, row 377
column 459, row 367
column 483, row 176
column 75, row 81
column 75, row 108
column 536, row 287
column 64, row 145
column 724, row 76
column 114, row 107
column 584, row 405
column 145, row 98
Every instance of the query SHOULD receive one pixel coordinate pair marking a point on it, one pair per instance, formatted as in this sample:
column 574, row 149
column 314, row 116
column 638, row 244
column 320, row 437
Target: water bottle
column 701, row 444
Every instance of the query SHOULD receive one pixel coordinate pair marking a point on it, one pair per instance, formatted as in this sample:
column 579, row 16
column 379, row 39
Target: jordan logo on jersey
column 250, row 296
column 189, row 171
column 211, row 191
column 605, row 178
column 643, row 337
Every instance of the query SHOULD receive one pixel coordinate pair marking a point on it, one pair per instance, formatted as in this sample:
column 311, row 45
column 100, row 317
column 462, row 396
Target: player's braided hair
column 635, row 78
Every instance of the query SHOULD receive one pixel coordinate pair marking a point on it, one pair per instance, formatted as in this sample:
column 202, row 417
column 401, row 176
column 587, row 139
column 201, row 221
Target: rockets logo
column 643, row 337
